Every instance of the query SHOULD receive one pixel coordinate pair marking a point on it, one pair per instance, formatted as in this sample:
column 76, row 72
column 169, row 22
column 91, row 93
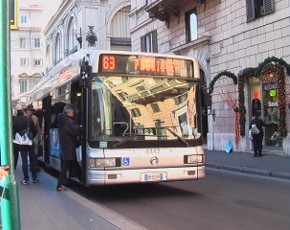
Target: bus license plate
column 153, row 177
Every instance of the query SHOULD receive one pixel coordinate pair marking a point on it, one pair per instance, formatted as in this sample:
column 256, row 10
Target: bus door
column 46, row 106
column 77, row 102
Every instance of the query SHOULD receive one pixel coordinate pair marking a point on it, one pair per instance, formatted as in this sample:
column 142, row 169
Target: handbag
column 24, row 137
column 254, row 129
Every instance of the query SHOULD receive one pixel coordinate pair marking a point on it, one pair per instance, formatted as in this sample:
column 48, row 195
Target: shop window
column 258, row 8
column 191, row 25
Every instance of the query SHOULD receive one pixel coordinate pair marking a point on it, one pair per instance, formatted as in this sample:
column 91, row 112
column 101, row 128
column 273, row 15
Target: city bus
column 139, row 112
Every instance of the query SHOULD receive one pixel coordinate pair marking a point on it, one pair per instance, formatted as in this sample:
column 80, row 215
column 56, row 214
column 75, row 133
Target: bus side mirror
column 206, row 101
column 85, row 72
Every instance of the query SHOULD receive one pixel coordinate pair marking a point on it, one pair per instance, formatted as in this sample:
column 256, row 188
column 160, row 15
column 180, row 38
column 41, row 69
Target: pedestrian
column 29, row 112
column 68, row 132
column 22, row 124
column 257, row 132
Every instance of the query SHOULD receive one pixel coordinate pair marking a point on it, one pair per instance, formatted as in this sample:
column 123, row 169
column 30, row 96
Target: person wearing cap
column 20, row 123
column 30, row 113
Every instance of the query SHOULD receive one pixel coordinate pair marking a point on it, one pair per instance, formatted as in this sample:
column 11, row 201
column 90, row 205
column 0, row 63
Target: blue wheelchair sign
column 125, row 161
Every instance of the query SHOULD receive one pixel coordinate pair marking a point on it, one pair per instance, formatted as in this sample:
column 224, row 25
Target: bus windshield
column 143, row 108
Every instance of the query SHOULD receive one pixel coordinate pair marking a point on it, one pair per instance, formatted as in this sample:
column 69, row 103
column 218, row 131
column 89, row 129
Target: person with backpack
column 23, row 128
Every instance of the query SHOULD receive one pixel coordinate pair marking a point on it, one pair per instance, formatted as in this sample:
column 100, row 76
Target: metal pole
column 10, row 202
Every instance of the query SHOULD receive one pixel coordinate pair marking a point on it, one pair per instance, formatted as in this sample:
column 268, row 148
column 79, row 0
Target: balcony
column 164, row 9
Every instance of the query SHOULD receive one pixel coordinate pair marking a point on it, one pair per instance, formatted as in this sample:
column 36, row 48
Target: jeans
column 33, row 163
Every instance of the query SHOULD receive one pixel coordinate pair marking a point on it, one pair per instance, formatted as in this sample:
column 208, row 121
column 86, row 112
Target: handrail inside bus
column 122, row 123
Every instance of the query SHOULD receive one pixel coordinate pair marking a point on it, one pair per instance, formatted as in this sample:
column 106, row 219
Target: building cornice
column 29, row 29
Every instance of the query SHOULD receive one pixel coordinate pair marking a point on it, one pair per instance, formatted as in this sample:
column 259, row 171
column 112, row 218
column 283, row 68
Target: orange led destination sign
column 145, row 65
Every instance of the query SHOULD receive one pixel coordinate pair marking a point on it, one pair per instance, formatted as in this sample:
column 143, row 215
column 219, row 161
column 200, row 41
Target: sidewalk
column 44, row 208
column 267, row 165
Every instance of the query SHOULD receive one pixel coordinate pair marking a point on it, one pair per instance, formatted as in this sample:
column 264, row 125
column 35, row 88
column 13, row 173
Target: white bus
column 140, row 115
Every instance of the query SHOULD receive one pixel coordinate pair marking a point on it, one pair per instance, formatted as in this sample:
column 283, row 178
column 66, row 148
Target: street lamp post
column 10, row 201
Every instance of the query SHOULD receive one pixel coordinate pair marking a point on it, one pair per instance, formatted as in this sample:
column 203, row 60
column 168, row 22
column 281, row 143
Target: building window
column 23, row 19
column 180, row 99
column 36, row 42
column 72, row 36
column 23, row 86
column 57, row 49
column 22, row 43
column 191, row 25
column 123, row 96
column 23, row 61
column 135, row 112
column 140, row 88
column 155, row 107
column 149, row 42
column 258, row 8
column 37, row 62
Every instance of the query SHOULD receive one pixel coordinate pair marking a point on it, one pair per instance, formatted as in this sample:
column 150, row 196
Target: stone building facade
column 27, row 62
column 227, row 36
column 87, row 24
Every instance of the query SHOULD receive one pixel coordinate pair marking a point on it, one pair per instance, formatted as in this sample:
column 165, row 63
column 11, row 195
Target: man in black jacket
column 68, row 130
column 20, row 123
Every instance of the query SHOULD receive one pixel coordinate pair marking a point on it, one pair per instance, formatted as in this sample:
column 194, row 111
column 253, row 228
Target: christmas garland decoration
column 277, row 66
column 236, row 109
column 242, row 77
column 224, row 73
column 270, row 65
column 275, row 61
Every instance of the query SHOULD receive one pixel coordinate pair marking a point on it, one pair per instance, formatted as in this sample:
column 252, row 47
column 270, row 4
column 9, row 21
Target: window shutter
column 269, row 6
column 250, row 5
column 143, row 44
column 154, row 41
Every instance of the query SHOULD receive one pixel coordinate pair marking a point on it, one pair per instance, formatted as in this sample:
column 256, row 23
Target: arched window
column 48, row 55
column 57, row 48
column 120, row 31
column 71, row 32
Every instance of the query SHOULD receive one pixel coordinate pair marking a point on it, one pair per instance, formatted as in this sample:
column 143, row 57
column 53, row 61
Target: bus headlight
column 101, row 162
column 193, row 159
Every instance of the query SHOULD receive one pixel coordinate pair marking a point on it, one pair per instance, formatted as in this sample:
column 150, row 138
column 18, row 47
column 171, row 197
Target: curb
column 249, row 170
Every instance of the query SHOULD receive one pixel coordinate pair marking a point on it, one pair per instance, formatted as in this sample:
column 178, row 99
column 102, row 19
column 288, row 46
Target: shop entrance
column 264, row 97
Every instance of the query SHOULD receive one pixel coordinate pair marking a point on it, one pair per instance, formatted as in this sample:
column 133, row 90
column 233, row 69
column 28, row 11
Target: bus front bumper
column 107, row 177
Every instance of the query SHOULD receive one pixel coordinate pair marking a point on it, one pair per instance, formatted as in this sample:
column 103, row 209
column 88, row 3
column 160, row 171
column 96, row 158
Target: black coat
column 68, row 130
column 259, row 123
column 258, row 138
column 21, row 122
